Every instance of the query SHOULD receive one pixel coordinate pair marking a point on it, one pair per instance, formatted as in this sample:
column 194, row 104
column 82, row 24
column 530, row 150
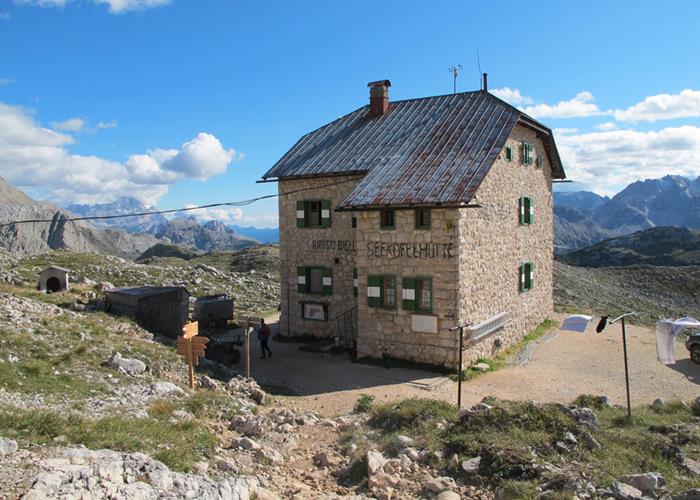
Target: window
column 509, row 153
column 381, row 291
column 354, row 220
column 527, row 276
column 387, row 218
column 417, row 294
column 315, row 280
column 314, row 311
column 355, row 282
column 527, row 212
column 423, row 218
column 539, row 161
column 313, row 213
column 527, row 153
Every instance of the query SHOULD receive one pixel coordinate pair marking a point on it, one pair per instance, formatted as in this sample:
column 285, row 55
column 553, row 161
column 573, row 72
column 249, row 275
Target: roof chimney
column 378, row 97
column 486, row 82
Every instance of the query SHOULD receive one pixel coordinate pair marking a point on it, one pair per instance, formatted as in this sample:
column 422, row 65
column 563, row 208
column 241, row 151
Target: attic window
column 509, row 153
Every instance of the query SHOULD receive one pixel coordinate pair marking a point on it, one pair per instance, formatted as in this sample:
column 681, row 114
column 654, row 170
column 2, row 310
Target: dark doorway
column 53, row 285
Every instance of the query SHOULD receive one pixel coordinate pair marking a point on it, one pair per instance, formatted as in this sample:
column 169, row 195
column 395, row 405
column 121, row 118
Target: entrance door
column 53, row 285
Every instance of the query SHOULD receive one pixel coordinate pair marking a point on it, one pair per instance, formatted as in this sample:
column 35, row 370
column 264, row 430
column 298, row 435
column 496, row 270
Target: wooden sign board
column 191, row 347
column 190, row 330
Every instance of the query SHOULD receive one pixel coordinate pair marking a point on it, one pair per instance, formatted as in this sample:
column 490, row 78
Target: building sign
column 314, row 311
column 334, row 245
column 411, row 250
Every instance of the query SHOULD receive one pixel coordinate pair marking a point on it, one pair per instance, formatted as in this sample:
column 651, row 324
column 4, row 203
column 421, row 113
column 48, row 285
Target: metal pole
column 627, row 377
column 247, row 349
column 459, row 383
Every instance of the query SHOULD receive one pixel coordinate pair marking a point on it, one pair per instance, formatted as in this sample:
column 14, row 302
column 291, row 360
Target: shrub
column 363, row 403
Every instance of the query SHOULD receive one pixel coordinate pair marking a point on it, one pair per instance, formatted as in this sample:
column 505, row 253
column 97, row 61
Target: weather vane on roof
column 455, row 73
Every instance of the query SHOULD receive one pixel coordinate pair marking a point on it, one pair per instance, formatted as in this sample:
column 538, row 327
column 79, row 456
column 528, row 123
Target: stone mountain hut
column 54, row 279
column 403, row 219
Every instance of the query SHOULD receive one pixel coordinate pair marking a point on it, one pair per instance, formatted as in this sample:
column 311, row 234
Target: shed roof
column 145, row 291
column 421, row 152
column 56, row 268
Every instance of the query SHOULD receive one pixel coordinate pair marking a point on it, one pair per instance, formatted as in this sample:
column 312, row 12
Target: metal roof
column 56, row 268
column 420, row 152
column 145, row 291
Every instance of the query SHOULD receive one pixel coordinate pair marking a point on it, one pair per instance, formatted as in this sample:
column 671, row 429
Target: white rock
column 440, row 484
column 375, row 461
column 471, row 466
column 448, row 495
column 648, row 482
column 7, row 446
column 245, row 443
column 625, row 491
column 163, row 388
column 273, row 456
column 481, row 367
column 402, row 441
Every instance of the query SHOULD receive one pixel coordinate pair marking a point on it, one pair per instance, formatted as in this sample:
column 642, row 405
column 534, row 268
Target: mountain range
column 583, row 218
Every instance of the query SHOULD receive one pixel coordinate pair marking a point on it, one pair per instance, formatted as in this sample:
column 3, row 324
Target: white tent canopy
column 666, row 332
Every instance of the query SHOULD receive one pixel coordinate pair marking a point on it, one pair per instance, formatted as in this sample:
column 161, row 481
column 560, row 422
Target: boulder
column 589, row 441
column 647, row 483
column 439, row 484
column 623, row 491
column 481, row 367
column 569, row 438
column 270, row 455
column 471, row 466
column 128, row 365
column 245, row 443
column 327, row 459
column 375, row 462
column 448, row 495
column 585, row 416
column 401, row 441
column 691, row 466
column 382, row 480
column 7, row 446
column 208, row 383
column 163, row 388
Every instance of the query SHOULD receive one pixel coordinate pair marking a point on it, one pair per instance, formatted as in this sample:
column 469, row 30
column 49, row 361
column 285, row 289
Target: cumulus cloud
column 38, row 158
column 606, row 126
column 581, row 105
column 70, row 125
column 607, row 161
column 512, row 96
column 686, row 104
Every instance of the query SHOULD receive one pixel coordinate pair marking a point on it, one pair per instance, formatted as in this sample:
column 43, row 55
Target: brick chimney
column 378, row 97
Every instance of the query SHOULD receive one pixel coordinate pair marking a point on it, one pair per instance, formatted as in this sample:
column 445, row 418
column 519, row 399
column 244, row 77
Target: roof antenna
column 455, row 72
column 483, row 77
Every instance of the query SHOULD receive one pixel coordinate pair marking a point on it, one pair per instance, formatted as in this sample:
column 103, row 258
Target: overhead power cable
column 173, row 210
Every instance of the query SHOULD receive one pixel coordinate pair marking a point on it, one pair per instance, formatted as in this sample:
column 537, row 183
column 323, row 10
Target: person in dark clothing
column 263, row 337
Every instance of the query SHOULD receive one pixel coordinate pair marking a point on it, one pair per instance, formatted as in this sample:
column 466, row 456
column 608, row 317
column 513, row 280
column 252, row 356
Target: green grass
column 364, row 403
column 177, row 445
column 514, row 434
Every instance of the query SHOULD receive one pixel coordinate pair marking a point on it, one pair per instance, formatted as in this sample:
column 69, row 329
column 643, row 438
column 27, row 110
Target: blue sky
column 189, row 102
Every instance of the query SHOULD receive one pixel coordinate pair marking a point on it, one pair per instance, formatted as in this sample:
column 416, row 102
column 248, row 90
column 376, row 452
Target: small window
column 387, row 218
column 509, row 153
column 313, row 214
column 314, row 311
column 527, row 153
column 355, row 282
column 354, row 220
column 527, row 276
column 539, row 161
column 381, row 291
column 316, row 280
column 423, row 218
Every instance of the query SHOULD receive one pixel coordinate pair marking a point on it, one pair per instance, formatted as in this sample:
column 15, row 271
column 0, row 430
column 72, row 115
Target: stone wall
column 493, row 244
column 315, row 247
column 390, row 332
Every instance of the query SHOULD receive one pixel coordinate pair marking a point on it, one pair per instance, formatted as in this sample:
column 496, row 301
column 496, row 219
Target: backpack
column 265, row 331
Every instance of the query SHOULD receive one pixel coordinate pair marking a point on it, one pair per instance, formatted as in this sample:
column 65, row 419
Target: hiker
column 263, row 337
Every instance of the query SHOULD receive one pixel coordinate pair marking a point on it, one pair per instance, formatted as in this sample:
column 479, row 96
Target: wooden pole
column 190, row 363
column 627, row 376
column 247, row 349
column 459, row 379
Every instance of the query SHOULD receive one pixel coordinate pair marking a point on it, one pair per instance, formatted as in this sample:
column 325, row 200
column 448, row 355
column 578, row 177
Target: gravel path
column 562, row 366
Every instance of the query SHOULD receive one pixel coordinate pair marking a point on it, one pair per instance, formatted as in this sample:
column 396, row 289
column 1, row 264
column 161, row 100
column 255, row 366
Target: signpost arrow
column 191, row 347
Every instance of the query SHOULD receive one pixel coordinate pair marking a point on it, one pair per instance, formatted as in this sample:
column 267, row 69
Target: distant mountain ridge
column 658, row 246
column 583, row 218
column 121, row 206
column 34, row 238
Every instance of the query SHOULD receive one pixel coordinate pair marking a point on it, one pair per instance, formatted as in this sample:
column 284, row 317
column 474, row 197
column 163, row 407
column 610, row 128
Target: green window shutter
column 521, row 279
column 530, row 153
column 325, row 213
column 301, row 213
column 355, row 282
column 521, row 210
column 509, row 153
column 327, row 281
column 374, row 288
column 408, row 293
column 302, row 280
column 530, row 211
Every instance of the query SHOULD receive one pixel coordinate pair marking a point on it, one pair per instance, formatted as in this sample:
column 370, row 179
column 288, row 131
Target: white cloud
column 512, row 96
column 37, row 158
column 686, row 104
column 115, row 6
column 580, row 106
column 606, row 126
column 6, row 81
column 234, row 215
column 70, row 125
column 109, row 124
column 609, row 160
column 119, row 6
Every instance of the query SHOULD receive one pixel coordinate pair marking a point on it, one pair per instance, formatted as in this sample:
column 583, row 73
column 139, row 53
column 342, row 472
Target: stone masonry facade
column 472, row 256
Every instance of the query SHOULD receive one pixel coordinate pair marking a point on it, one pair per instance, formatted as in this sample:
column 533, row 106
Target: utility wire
column 157, row 212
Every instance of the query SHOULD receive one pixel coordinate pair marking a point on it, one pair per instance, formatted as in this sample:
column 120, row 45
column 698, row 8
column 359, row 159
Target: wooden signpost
column 191, row 347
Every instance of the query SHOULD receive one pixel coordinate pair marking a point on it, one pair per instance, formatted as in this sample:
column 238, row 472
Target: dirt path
column 562, row 366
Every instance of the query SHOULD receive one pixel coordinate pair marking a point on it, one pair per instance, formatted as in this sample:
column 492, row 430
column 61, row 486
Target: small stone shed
column 159, row 309
column 54, row 279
